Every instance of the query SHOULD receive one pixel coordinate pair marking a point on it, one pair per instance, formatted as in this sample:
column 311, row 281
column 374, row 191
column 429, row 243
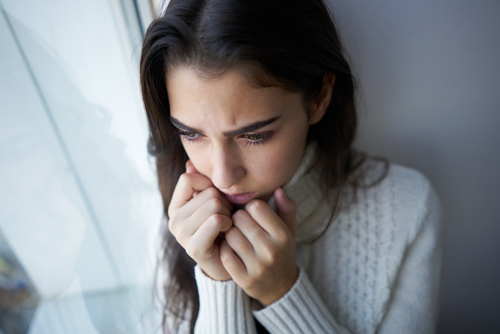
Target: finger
column 185, row 188
column 240, row 245
column 204, row 237
column 231, row 262
column 206, row 195
column 214, row 206
column 190, row 217
column 286, row 209
column 265, row 216
column 190, row 169
column 250, row 229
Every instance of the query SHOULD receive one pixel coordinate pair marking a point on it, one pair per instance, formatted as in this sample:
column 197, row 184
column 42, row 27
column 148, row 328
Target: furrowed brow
column 251, row 127
column 178, row 124
column 247, row 128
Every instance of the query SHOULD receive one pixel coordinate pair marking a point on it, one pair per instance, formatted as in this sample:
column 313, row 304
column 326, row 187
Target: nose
column 226, row 168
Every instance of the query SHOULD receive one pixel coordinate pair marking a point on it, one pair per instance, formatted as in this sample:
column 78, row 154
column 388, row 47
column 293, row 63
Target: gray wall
column 429, row 78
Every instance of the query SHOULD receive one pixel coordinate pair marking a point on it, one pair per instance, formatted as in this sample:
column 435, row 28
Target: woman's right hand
column 198, row 213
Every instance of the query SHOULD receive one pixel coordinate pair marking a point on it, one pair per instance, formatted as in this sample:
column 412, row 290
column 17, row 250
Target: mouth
column 240, row 198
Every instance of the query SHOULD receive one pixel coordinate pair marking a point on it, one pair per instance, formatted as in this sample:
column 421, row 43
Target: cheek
column 198, row 157
column 276, row 163
column 292, row 145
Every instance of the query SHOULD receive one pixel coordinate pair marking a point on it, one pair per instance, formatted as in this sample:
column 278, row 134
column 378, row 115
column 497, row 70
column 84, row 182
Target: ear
column 318, row 107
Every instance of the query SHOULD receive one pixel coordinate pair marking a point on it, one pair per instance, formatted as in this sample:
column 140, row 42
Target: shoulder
column 396, row 181
column 399, row 193
column 412, row 189
column 409, row 185
column 377, row 171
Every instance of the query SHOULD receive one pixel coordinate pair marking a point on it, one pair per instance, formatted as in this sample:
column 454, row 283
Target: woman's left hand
column 259, row 250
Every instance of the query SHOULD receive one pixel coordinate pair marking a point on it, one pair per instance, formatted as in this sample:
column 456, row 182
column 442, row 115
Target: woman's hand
column 198, row 213
column 259, row 250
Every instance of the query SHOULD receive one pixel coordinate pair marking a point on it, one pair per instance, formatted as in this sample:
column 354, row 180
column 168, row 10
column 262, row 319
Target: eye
column 189, row 136
column 256, row 138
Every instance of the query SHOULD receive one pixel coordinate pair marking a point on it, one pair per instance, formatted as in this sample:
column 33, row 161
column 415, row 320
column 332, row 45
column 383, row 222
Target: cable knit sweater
column 375, row 270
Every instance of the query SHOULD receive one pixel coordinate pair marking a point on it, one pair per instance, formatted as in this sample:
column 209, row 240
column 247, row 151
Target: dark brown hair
column 292, row 44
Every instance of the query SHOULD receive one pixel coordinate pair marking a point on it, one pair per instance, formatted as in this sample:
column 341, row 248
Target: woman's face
column 248, row 141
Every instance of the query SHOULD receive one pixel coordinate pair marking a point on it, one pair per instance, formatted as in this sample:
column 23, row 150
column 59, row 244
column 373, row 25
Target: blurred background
column 79, row 208
column 429, row 81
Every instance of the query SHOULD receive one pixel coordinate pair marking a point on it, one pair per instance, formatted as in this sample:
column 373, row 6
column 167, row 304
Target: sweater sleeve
column 300, row 310
column 224, row 307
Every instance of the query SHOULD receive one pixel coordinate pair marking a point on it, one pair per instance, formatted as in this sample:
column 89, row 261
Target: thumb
column 286, row 209
column 190, row 169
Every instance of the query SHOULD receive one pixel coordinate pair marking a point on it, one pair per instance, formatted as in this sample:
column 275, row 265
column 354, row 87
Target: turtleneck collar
column 304, row 189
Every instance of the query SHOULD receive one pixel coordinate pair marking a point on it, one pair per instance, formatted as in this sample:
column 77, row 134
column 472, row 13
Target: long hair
column 292, row 44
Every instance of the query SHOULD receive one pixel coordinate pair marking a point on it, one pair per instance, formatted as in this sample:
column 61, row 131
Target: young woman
column 274, row 223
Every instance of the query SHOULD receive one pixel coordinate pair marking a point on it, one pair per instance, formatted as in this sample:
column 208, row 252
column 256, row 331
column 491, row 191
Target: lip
column 240, row 198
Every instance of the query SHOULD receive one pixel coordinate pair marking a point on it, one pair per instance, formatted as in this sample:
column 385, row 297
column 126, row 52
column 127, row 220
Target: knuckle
column 194, row 253
column 172, row 225
column 216, row 220
column 281, row 237
column 259, row 272
column 255, row 205
column 171, row 213
column 257, row 233
column 212, row 192
column 184, row 179
column 216, row 204
column 180, row 240
column 224, row 257
column 226, row 223
column 269, row 255
column 175, row 228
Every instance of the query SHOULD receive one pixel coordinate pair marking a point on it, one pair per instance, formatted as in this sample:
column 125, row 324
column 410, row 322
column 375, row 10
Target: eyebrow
column 247, row 128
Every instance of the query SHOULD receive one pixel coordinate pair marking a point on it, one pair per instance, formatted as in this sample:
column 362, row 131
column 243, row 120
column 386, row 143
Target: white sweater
column 375, row 270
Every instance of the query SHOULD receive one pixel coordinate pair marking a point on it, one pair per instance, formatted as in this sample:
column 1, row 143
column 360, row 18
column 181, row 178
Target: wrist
column 216, row 276
column 282, row 291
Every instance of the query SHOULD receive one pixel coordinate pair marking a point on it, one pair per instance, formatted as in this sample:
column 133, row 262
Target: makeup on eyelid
column 258, row 138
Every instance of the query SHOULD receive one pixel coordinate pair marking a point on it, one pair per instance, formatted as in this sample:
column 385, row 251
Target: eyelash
column 185, row 134
column 261, row 137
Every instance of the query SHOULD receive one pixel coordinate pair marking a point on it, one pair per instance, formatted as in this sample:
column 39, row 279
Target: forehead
column 227, row 101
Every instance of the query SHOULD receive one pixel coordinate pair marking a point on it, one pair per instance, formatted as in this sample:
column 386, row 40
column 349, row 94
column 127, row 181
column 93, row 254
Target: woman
column 274, row 222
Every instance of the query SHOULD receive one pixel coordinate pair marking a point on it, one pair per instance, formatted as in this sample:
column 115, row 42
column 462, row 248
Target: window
column 79, row 205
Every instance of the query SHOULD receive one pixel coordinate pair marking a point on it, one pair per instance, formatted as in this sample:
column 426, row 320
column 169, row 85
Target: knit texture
column 375, row 270
column 226, row 308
